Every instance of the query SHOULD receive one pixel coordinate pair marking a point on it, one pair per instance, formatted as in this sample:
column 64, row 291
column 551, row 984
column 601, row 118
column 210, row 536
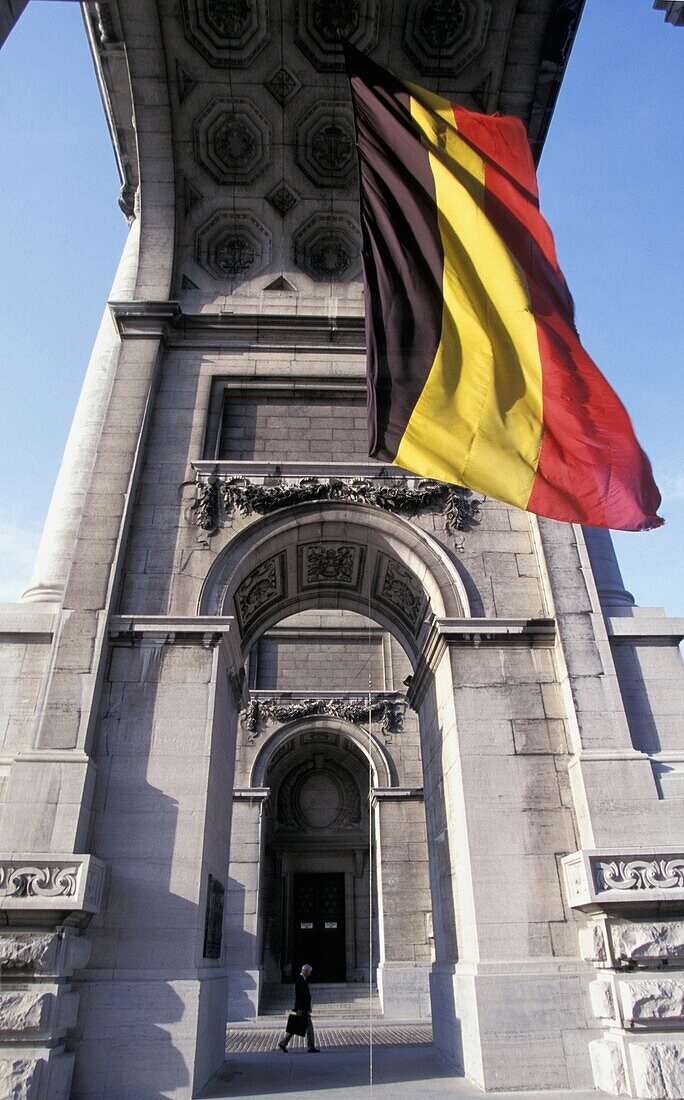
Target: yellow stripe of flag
column 478, row 420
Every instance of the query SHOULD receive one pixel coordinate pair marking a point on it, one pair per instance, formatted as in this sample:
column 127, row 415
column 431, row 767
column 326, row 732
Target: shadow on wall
column 441, row 837
column 137, row 1029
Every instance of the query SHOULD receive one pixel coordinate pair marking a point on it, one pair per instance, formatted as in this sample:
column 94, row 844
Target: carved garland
column 389, row 712
column 239, row 494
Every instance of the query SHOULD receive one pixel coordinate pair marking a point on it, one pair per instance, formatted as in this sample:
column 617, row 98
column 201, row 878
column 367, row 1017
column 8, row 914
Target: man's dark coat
column 302, row 995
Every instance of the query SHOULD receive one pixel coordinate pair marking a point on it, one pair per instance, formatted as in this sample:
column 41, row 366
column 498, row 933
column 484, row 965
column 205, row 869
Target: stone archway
column 336, row 559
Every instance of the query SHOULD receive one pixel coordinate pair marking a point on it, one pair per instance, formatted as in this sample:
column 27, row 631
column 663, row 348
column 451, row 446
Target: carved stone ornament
column 232, row 140
column 596, row 879
column 232, row 245
column 282, row 199
column 322, row 25
column 319, row 796
column 261, row 588
column 443, row 36
column 398, row 589
column 51, row 882
column 385, row 709
column 283, row 86
column 325, row 145
column 240, row 494
column 40, row 881
column 331, row 564
column 227, row 32
column 639, row 874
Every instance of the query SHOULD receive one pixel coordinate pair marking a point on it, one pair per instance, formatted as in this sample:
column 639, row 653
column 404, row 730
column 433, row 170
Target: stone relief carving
column 263, row 586
column 385, row 709
column 320, row 795
column 329, row 563
column 232, row 140
column 639, row 874
column 397, row 587
column 283, row 86
column 232, row 245
column 227, row 32
column 46, row 881
column 327, row 247
column 282, row 199
column 321, row 26
column 325, row 145
column 460, row 509
column 443, row 36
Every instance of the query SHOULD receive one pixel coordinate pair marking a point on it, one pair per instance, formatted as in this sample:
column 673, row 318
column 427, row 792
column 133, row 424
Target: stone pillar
column 506, row 977
column 403, row 891
column 243, row 931
column 607, row 576
column 45, row 900
column 65, row 513
column 154, row 993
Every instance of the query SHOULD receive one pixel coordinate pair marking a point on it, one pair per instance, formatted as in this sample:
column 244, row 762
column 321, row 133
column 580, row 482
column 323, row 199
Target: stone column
column 65, row 513
column 10, row 10
column 403, row 891
column 242, row 903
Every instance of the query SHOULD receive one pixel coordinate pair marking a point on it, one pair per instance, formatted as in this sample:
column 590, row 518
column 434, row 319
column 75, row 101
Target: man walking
column 302, row 1006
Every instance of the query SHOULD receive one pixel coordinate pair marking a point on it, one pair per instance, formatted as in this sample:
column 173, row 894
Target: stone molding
column 642, row 629
column 595, row 878
column 54, row 881
column 396, row 794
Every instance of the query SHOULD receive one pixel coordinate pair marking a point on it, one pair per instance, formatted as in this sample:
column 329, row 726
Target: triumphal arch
column 266, row 700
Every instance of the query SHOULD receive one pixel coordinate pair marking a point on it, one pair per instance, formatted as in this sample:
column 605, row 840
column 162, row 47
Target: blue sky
column 611, row 180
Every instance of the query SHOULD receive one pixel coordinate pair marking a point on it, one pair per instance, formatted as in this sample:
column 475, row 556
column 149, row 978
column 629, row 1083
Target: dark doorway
column 318, row 916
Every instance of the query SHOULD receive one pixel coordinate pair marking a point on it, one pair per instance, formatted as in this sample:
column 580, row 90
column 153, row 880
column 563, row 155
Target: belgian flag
column 476, row 374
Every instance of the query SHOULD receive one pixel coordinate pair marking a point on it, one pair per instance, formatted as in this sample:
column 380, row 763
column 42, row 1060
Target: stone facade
column 266, row 700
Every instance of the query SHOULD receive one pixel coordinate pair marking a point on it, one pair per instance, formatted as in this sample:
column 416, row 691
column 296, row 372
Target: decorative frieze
column 594, row 879
column 403, row 496
column 51, row 882
column 386, row 709
column 260, row 589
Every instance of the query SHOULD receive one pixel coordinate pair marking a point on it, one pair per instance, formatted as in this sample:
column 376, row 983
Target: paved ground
column 403, row 1070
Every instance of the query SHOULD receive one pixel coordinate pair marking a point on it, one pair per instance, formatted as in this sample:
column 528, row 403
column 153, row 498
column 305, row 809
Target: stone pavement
column 404, row 1068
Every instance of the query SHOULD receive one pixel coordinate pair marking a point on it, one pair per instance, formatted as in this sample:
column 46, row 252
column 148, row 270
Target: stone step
column 329, row 999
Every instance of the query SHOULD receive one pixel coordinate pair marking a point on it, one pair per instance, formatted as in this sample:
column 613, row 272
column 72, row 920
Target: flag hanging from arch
column 476, row 374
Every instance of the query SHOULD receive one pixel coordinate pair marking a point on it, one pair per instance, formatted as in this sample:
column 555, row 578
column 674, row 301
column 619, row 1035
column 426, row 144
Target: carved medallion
column 227, row 32
column 232, row 245
column 232, row 140
column 325, row 145
column 322, row 25
column 321, row 796
column 327, row 248
column 331, row 563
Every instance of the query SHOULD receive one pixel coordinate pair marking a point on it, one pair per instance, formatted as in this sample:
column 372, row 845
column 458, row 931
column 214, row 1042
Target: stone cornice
column 149, row 319
column 645, row 630
column 396, row 794
column 191, row 629
column 251, row 794
column 477, row 633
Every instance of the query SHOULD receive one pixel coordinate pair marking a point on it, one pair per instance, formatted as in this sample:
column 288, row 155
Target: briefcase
column 296, row 1025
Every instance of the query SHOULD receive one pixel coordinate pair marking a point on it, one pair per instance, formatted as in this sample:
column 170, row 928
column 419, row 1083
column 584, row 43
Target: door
column 318, row 933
